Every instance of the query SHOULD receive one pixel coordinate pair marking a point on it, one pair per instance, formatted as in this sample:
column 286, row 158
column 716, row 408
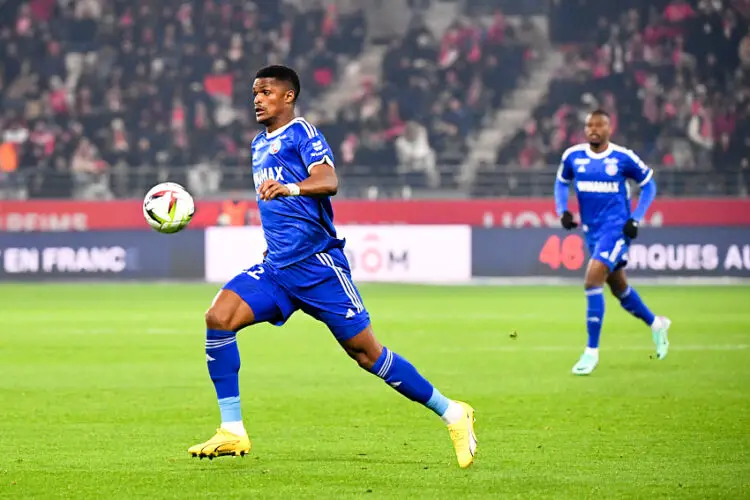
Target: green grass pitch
column 104, row 387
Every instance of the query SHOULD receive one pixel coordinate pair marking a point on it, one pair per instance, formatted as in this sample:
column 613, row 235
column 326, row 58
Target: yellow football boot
column 463, row 437
column 222, row 444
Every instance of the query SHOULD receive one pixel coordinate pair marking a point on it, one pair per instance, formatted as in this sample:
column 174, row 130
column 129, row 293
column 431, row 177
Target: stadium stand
column 674, row 76
column 102, row 98
column 435, row 92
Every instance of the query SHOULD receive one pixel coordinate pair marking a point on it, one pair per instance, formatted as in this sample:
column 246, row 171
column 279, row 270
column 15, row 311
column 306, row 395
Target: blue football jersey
column 600, row 181
column 295, row 227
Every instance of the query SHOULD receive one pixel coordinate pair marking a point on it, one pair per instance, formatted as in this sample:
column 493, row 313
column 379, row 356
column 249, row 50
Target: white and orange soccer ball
column 168, row 207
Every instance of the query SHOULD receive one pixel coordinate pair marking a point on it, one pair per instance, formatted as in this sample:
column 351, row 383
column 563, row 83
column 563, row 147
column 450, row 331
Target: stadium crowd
column 433, row 94
column 98, row 95
column 674, row 75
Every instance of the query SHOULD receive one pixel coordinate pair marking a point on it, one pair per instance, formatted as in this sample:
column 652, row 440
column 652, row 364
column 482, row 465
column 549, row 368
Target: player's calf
column 402, row 376
column 228, row 314
column 596, row 275
column 632, row 302
column 394, row 370
column 364, row 349
column 594, row 319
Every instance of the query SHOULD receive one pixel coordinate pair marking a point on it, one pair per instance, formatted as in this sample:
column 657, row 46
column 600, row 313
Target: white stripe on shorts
column 345, row 283
column 616, row 250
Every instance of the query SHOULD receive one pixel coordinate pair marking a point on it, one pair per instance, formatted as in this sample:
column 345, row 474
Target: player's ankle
column 657, row 323
column 453, row 413
column 592, row 351
column 237, row 427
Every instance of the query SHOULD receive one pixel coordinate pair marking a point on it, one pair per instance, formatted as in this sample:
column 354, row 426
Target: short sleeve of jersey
column 565, row 171
column 314, row 149
column 634, row 168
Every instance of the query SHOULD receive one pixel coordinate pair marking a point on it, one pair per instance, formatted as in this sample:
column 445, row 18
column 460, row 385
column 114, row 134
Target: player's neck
column 278, row 122
column 598, row 148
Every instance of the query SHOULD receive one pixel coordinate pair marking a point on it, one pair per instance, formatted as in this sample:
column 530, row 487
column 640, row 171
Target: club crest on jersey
column 611, row 169
column 275, row 146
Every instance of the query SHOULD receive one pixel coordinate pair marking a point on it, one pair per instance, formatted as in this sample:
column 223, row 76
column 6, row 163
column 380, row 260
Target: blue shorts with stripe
column 611, row 249
column 320, row 286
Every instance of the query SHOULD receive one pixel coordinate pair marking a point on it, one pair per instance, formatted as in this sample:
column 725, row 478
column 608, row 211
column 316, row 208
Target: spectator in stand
column 149, row 84
column 446, row 87
column 415, row 154
column 673, row 73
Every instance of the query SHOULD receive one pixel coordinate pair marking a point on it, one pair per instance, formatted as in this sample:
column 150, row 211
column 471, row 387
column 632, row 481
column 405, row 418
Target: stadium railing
column 355, row 182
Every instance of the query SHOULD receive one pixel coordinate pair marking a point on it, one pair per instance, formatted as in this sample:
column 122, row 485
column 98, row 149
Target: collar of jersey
column 599, row 156
column 281, row 130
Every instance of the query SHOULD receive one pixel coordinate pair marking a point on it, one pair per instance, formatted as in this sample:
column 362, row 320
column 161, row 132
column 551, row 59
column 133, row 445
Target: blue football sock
column 594, row 315
column 402, row 376
column 223, row 359
column 632, row 303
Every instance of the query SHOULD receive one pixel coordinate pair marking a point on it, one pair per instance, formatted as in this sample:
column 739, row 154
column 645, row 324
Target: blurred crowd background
column 100, row 99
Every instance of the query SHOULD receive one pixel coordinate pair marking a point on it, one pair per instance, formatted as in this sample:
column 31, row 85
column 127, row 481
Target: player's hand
column 630, row 229
column 271, row 189
column 567, row 221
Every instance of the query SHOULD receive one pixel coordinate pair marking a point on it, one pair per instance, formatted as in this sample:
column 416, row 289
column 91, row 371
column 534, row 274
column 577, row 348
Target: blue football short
column 611, row 249
column 320, row 286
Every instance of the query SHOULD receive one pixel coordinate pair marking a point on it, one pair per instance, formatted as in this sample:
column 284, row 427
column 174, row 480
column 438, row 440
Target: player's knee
column 219, row 319
column 589, row 283
column 593, row 280
column 363, row 348
column 365, row 358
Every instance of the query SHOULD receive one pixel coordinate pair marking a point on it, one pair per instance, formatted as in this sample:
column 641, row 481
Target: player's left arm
column 641, row 173
column 562, row 192
column 322, row 180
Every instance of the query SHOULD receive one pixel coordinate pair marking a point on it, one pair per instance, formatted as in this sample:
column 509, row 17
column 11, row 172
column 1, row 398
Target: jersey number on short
column 255, row 271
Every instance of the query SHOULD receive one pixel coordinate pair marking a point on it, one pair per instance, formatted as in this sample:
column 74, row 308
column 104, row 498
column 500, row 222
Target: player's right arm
column 562, row 192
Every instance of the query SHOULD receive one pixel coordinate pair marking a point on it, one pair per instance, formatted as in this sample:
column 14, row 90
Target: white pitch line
column 124, row 329
column 559, row 348
column 518, row 347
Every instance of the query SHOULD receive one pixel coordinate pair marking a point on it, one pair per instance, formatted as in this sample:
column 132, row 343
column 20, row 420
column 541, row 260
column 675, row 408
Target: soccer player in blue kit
column 599, row 172
column 304, row 268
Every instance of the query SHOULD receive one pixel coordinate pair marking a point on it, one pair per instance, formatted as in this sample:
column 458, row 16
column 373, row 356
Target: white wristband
column 293, row 189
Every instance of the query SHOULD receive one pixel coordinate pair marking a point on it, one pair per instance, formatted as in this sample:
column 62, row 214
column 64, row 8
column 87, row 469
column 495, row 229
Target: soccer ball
column 168, row 207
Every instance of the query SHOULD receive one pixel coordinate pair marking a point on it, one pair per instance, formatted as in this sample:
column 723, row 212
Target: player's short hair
column 600, row 112
column 282, row 74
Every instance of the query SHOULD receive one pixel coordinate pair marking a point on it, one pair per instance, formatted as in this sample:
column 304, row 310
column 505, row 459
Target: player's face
column 597, row 129
column 270, row 98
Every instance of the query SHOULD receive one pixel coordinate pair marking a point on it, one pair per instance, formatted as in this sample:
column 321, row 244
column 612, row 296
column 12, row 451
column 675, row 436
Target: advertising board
column 375, row 253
